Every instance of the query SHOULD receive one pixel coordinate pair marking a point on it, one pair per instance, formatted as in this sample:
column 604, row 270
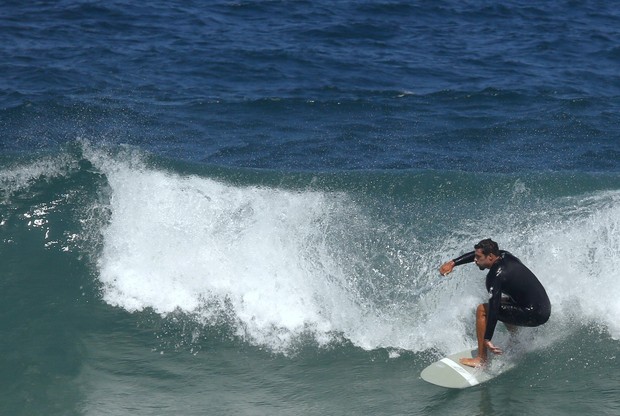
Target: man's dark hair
column 488, row 246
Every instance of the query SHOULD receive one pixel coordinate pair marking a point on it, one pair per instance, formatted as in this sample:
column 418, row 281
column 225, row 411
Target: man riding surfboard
column 516, row 296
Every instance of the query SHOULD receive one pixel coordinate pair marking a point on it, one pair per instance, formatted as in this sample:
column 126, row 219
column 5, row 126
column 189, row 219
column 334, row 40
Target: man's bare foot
column 473, row 362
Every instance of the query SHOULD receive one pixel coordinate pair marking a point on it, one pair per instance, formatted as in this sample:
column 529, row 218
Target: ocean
column 240, row 207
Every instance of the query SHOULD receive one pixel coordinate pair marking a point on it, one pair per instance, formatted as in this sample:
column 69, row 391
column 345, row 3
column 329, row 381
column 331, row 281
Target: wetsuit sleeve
column 495, row 300
column 464, row 259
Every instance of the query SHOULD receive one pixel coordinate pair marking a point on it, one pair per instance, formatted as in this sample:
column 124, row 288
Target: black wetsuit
column 525, row 301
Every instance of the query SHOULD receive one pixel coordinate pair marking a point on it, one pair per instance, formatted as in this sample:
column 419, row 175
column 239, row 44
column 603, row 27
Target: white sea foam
column 199, row 246
column 182, row 243
column 572, row 245
column 578, row 257
column 280, row 263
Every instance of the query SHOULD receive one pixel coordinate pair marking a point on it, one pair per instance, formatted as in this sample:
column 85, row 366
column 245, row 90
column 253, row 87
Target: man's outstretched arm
column 448, row 266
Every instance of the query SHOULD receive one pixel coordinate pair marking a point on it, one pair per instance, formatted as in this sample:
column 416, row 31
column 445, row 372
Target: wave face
column 283, row 260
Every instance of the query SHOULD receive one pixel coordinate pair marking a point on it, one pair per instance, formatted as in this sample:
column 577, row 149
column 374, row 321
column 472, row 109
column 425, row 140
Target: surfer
column 516, row 296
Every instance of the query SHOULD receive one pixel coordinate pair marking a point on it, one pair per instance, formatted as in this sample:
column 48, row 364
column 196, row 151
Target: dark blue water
column 357, row 85
column 240, row 207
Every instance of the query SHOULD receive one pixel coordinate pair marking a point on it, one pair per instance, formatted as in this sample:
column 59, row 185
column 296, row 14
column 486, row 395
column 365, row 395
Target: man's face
column 483, row 261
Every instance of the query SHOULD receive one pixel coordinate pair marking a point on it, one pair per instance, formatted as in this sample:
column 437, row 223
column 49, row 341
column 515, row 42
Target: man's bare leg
column 481, row 325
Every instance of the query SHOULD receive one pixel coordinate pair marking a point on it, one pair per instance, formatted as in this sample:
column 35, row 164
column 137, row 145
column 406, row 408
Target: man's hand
column 446, row 268
column 492, row 348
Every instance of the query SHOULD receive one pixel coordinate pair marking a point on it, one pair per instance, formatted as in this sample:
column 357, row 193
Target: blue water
column 240, row 207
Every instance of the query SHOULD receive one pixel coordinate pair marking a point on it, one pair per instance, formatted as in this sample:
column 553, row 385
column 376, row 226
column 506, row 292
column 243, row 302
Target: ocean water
column 240, row 207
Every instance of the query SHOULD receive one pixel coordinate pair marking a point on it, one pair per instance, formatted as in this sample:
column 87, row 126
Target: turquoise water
column 136, row 288
column 240, row 208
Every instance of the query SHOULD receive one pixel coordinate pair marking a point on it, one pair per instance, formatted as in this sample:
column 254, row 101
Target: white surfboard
column 448, row 372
